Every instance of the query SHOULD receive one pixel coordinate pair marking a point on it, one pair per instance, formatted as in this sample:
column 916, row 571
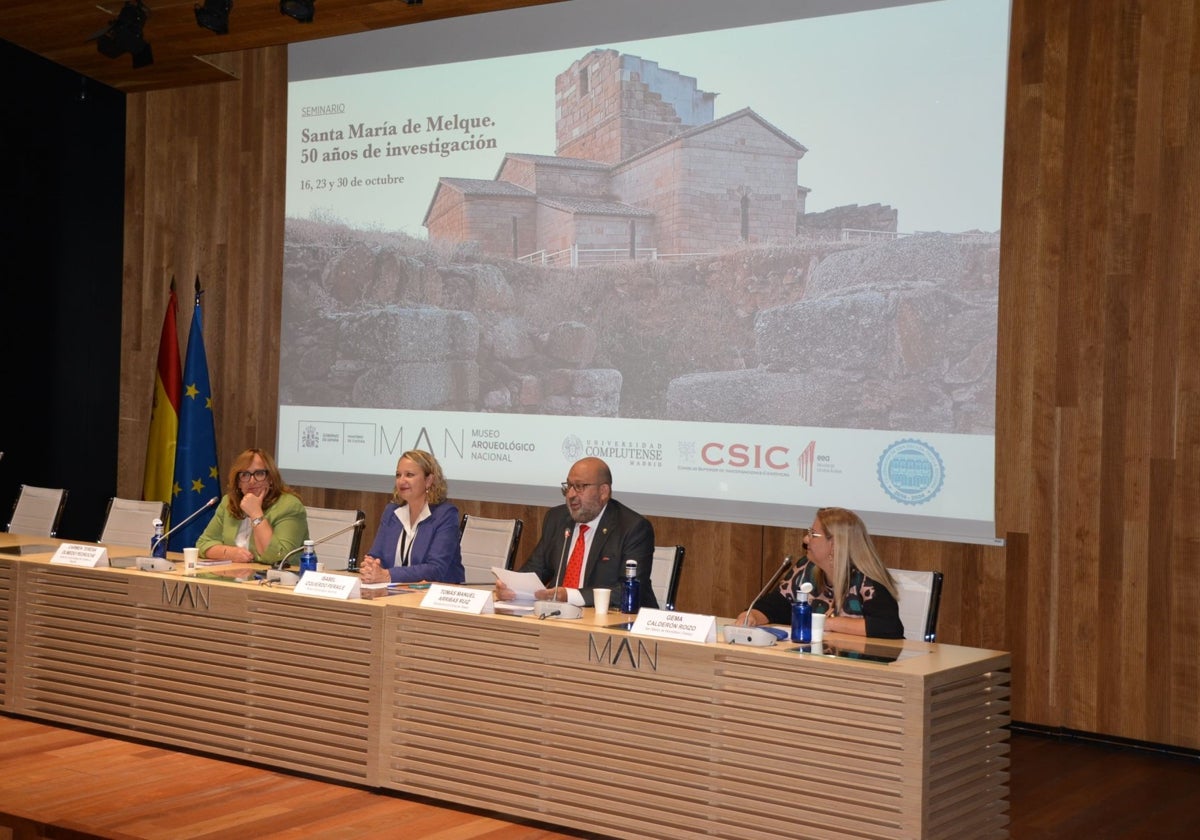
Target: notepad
column 514, row 607
column 27, row 549
column 524, row 584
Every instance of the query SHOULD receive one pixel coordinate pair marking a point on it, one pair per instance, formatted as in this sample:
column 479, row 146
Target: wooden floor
column 1064, row 788
column 66, row 784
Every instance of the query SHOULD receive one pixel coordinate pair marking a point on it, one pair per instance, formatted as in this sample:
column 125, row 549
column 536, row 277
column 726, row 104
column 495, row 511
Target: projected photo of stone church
column 642, row 171
column 660, row 264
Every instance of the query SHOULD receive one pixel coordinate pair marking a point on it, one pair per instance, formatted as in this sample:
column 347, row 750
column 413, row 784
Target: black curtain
column 62, row 143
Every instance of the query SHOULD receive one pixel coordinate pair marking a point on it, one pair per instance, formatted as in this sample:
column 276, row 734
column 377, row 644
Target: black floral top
column 865, row 597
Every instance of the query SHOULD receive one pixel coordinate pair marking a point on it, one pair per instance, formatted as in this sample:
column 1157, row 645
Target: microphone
column 743, row 634
column 210, row 503
column 158, row 564
column 561, row 557
column 547, row 609
column 277, row 573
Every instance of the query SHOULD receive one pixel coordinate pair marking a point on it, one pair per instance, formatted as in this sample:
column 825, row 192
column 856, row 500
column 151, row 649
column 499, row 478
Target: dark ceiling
column 65, row 32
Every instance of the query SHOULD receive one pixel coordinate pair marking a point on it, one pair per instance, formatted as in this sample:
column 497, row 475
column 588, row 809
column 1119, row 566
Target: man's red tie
column 575, row 561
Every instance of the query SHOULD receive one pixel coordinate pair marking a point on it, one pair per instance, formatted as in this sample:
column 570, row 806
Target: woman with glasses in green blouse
column 259, row 520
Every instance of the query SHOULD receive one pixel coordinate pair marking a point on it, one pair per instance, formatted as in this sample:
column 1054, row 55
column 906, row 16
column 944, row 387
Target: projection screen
column 747, row 253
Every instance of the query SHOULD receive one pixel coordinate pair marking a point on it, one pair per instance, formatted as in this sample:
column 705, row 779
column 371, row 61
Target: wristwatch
column 256, row 521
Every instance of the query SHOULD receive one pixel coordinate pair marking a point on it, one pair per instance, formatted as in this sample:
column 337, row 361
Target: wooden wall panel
column 1096, row 443
column 1098, row 386
column 205, row 168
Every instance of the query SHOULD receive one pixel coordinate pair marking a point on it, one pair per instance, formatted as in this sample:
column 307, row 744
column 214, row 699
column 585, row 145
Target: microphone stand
column 742, row 633
column 159, row 564
column 546, row 609
column 210, row 503
column 282, row 564
column 787, row 562
column 276, row 573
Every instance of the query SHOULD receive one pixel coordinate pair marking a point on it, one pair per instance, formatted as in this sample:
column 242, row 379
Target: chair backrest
column 37, row 511
column 337, row 553
column 131, row 522
column 486, row 543
column 664, row 574
column 920, row 595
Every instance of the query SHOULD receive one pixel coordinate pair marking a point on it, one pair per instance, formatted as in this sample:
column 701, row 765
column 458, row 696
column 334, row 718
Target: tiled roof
column 592, row 206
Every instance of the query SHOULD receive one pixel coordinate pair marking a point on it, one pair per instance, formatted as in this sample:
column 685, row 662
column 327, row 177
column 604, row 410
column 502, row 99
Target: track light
column 301, row 10
column 214, row 15
column 124, row 35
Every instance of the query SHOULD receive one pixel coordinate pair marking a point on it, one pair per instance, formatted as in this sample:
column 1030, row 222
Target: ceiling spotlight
column 124, row 35
column 301, row 10
column 214, row 15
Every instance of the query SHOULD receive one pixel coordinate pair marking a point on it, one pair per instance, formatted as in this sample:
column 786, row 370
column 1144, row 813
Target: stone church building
column 642, row 170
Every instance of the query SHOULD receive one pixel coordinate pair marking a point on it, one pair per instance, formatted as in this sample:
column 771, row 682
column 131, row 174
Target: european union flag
column 197, row 476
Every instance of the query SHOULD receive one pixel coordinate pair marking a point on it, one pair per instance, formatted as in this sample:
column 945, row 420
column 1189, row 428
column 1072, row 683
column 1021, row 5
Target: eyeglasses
column 578, row 486
column 812, row 534
column 256, row 475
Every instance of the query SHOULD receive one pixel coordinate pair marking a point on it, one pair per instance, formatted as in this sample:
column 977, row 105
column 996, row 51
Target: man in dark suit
column 586, row 542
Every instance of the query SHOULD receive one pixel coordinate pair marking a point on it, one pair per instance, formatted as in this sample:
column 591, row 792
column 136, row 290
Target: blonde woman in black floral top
column 845, row 570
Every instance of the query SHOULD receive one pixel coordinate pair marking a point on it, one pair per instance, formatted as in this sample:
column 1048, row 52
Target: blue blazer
column 435, row 556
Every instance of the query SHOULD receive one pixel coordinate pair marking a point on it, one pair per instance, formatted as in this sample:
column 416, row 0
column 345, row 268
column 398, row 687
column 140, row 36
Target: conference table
column 577, row 723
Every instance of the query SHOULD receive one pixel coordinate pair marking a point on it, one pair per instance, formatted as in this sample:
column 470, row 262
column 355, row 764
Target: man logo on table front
column 642, row 658
column 190, row 595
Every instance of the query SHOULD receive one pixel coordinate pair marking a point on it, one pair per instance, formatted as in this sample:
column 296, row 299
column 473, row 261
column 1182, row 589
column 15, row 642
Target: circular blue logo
column 911, row 471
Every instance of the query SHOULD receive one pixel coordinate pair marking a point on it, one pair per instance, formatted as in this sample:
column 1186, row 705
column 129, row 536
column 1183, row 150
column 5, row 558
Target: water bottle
column 308, row 558
column 630, row 595
column 158, row 545
column 802, row 615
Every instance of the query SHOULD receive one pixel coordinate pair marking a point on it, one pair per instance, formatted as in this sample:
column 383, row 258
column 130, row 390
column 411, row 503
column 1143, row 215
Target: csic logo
column 745, row 456
column 911, row 471
column 760, row 457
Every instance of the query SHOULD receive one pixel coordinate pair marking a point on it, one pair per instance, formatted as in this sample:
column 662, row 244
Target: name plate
column 329, row 585
column 665, row 624
column 461, row 599
column 88, row 556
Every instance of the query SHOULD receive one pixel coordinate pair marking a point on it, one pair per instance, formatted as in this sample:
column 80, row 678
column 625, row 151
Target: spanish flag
column 164, row 413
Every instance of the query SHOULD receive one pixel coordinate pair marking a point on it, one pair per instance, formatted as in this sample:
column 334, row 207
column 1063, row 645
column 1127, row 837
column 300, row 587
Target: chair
column 341, row 552
column 664, row 574
column 486, row 543
column 37, row 511
column 920, row 594
column 131, row 521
